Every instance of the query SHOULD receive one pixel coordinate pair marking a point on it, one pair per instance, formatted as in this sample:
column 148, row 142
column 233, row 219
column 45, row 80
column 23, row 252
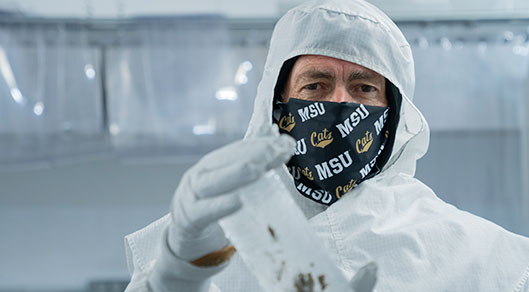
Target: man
column 343, row 71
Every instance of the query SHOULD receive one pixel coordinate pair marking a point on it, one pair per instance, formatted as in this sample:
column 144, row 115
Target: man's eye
column 313, row 86
column 367, row 88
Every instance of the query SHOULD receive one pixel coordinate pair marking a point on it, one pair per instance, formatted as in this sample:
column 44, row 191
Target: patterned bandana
column 337, row 144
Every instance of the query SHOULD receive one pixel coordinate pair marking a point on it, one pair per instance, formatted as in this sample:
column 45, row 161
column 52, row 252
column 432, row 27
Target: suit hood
column 357, row 32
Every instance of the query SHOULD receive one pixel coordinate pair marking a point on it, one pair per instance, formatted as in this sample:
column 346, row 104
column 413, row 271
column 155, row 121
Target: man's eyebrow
column 361, row 75
column 315, row 74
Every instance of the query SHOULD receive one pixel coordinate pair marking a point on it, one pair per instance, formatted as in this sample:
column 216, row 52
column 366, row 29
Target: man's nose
column 340, row 94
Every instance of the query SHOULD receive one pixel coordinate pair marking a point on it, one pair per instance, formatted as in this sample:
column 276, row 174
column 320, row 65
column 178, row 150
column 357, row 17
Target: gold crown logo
column 287, row 123
column 363, row 144
column 306, row 172
column 321, row 139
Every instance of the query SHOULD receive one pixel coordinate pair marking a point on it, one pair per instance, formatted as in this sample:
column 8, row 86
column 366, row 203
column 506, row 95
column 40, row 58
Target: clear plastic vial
column 276, row 242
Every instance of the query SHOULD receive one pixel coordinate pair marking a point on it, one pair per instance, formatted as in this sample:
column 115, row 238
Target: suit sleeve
column 154, row 268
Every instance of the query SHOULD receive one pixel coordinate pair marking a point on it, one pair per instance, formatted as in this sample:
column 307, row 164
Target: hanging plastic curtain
column 176, row 89
column 49, row 95
column 80, row 118
column 22, row 129
column 472, row 89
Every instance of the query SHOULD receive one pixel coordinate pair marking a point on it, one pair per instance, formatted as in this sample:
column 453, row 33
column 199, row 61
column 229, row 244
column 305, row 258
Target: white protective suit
column 419, row 242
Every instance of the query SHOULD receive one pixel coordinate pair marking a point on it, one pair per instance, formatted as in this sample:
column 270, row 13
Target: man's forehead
column 313, row 66
column 327, row 64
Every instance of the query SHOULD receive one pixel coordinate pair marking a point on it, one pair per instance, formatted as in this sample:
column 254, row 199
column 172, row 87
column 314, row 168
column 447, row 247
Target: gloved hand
column 205, row 195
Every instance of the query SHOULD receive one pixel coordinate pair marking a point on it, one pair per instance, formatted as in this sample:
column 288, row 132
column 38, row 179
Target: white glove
column 205, row 195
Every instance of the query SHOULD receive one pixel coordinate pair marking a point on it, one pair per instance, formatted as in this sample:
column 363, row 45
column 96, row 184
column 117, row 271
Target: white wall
column 63, row 226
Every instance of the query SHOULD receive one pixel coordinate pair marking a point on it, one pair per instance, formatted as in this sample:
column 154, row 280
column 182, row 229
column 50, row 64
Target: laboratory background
column 105, row 103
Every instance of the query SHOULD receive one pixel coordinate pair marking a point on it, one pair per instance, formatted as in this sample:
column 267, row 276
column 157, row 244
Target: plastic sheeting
column 472, row 87
column 143, row 89
column 476, row 86
column 185, row 89
column 50, row 98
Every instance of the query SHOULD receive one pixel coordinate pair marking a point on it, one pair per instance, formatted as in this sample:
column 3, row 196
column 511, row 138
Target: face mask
column 337, row 145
